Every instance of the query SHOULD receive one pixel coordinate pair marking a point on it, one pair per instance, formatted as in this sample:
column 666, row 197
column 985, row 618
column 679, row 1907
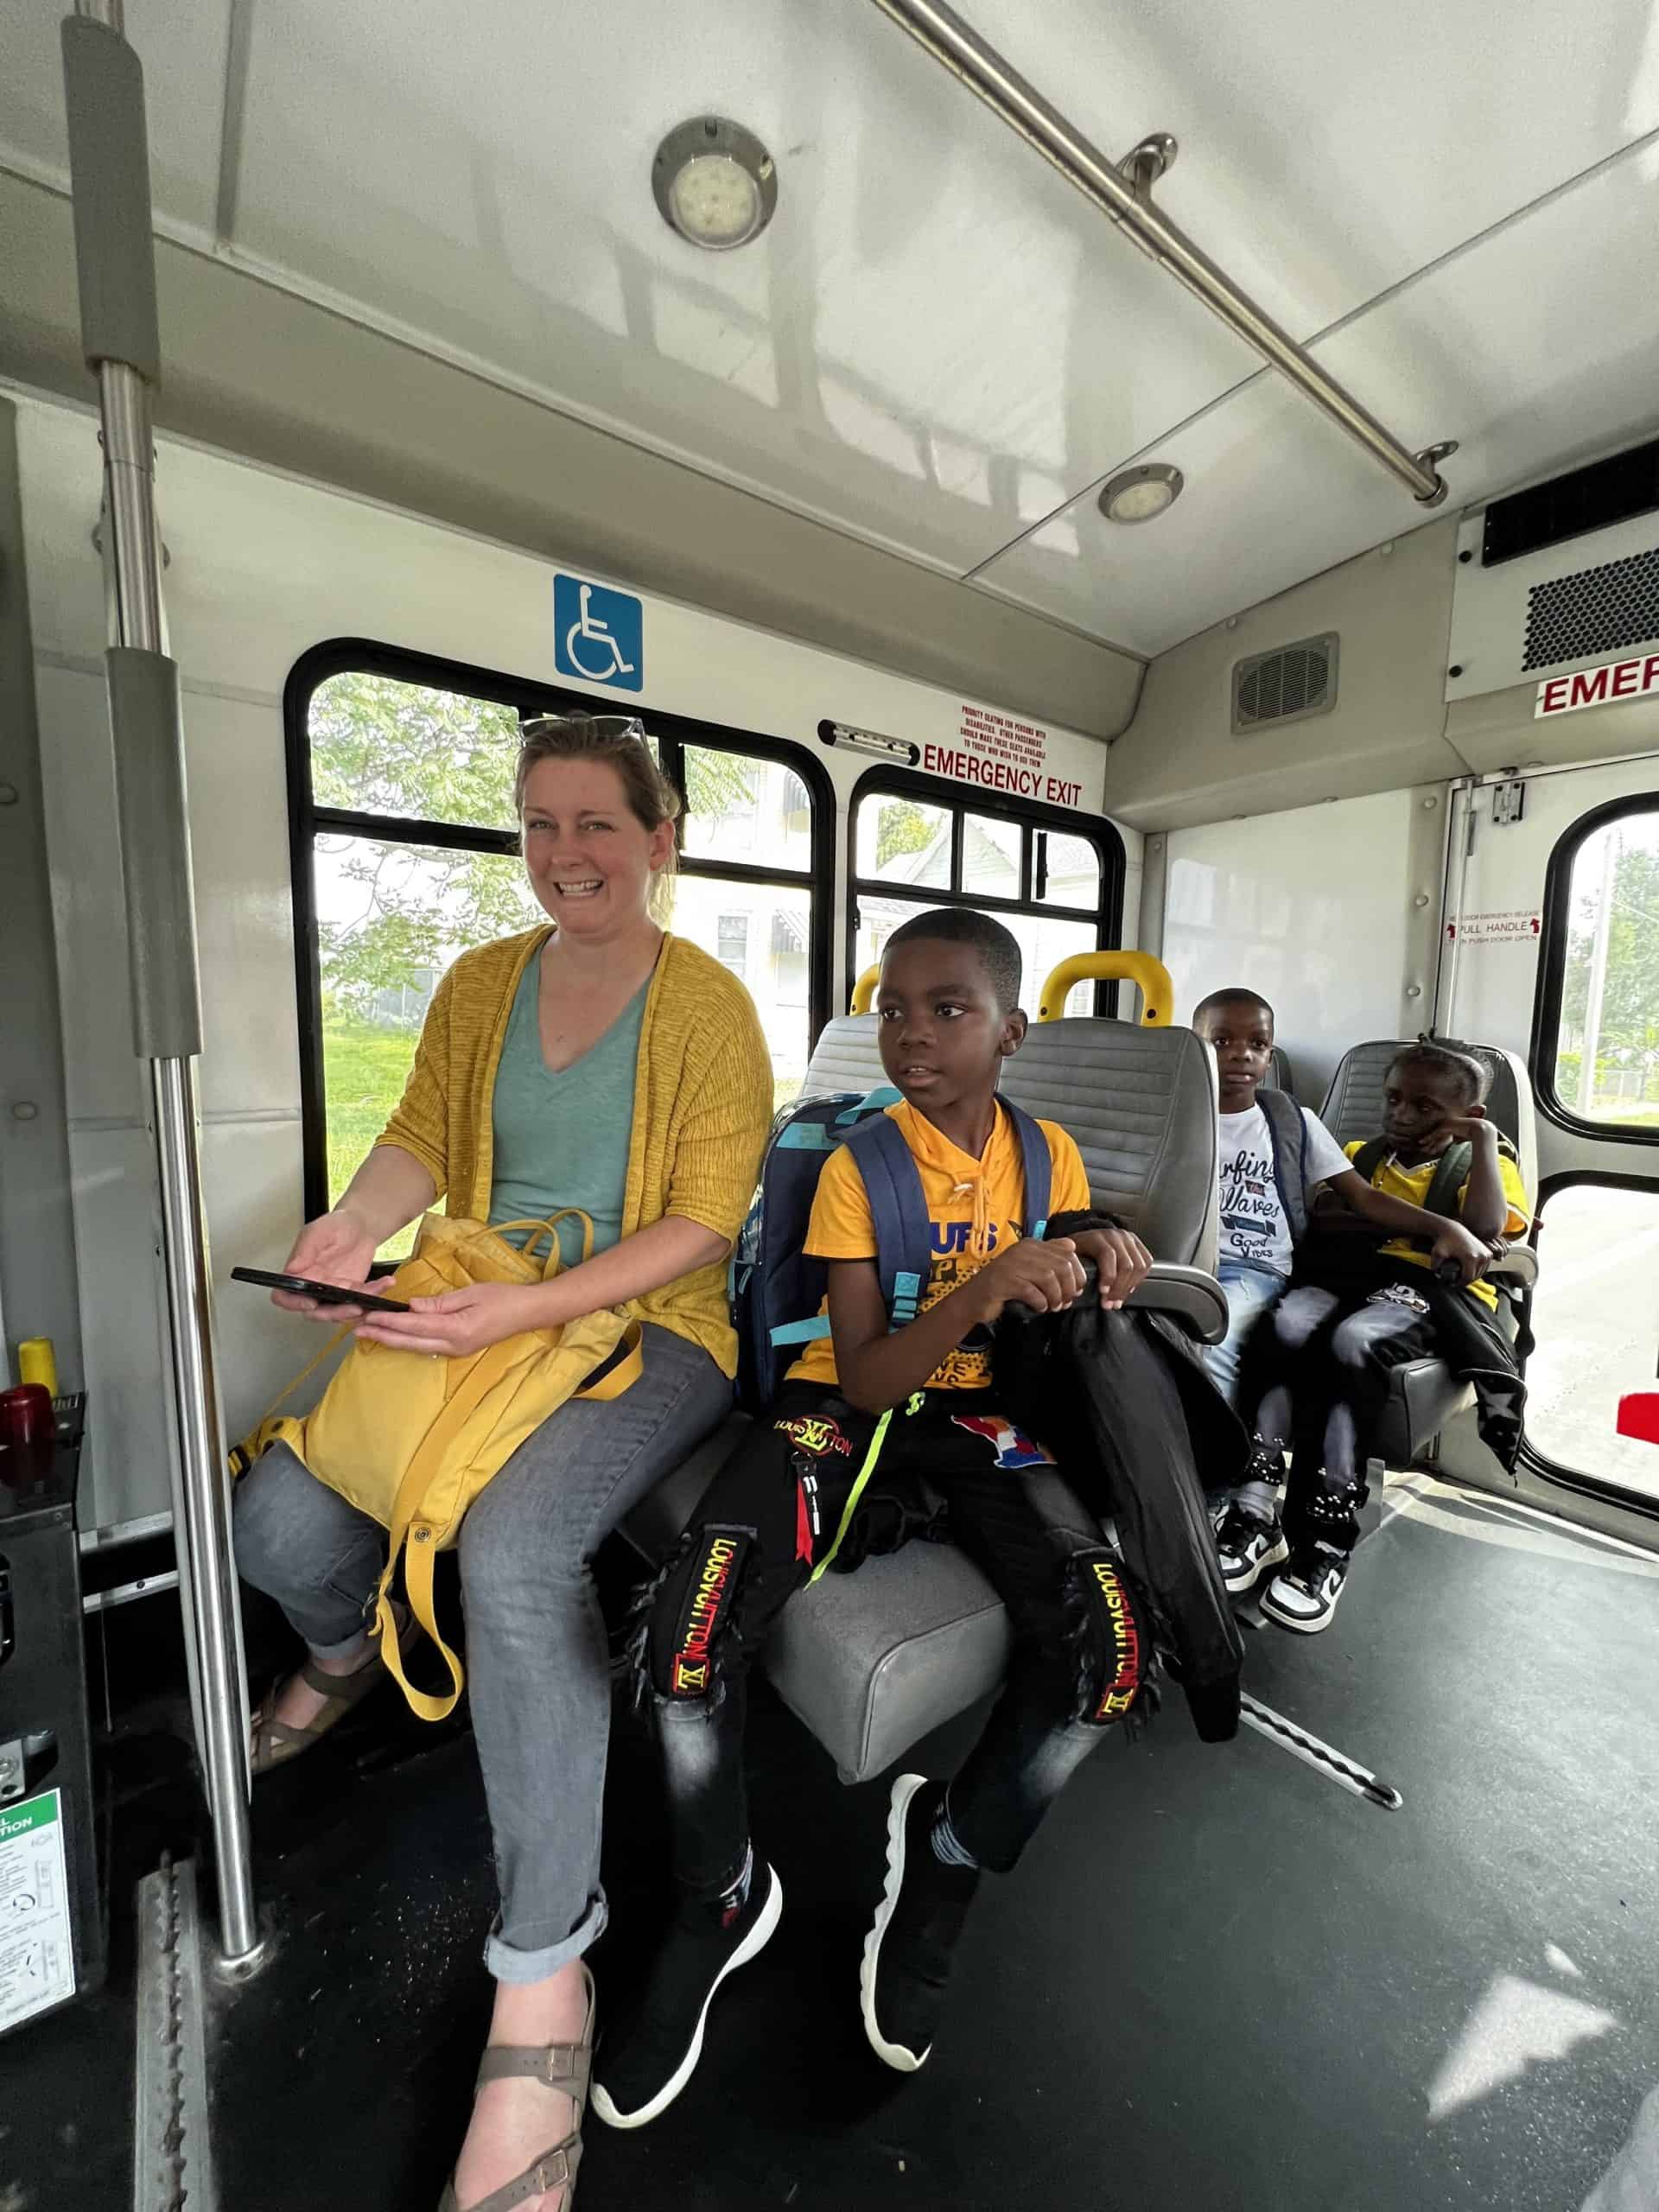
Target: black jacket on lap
column 1124, row 1402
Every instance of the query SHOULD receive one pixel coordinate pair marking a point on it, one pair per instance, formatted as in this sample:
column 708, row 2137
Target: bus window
column 1602, row 1057
column 1595, row 1318
column 1057, row 890
column 406, row 853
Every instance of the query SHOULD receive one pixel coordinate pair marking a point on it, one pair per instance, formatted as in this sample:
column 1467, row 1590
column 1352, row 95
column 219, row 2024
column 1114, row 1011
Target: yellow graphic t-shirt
column 977, row 1210
column 1412, row 1185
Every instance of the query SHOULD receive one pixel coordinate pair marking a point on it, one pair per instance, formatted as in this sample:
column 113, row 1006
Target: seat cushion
column 1423, row 1395
column 868, row 1662
column 872, row 1661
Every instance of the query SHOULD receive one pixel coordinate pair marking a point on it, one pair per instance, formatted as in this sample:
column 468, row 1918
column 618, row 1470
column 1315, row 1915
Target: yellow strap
column 546, row 1228
column 855, row 1493
column 417, row 1581
column 624, row 1375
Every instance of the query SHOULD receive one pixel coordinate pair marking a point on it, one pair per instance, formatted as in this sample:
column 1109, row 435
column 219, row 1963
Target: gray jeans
column 536, row 1648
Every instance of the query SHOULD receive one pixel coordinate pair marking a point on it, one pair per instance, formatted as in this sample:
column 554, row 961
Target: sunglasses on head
column 613, row 725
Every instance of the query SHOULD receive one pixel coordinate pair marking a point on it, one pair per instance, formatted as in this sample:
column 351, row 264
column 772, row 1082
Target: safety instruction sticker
column 37, row 1961
column 1516, row 925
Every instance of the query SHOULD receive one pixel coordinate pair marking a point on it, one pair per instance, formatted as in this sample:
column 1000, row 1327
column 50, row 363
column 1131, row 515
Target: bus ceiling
column 921, row 364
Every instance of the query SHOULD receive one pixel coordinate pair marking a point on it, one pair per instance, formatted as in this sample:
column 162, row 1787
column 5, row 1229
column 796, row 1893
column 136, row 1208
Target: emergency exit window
column 1607, row 1064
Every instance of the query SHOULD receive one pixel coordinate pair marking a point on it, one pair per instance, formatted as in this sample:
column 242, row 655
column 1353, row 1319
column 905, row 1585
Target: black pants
column 1083, row 1644
column 1321, row 1382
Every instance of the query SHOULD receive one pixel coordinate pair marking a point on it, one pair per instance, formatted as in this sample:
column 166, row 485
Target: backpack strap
column 1037, row 1163
column 1451, row 1173
column 904, row 1239
column 1369, row 1157
column 1287, row 1134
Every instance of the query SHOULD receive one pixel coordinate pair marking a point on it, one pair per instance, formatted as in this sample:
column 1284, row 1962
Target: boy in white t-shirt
column 1273, row 1157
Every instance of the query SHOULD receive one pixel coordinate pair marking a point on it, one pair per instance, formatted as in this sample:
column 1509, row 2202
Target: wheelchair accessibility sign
column 598, row 635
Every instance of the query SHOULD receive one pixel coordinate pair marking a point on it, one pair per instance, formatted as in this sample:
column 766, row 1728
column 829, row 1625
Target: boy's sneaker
column 1304, row 1597
column 907, row 1952
column 645, row 2063
column 1247, row 1546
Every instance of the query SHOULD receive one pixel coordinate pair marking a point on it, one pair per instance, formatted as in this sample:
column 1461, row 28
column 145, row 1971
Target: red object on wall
column 1638, row 1415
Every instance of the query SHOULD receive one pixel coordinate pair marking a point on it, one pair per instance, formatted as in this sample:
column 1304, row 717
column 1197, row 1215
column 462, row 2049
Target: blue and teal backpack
column 777, row 1290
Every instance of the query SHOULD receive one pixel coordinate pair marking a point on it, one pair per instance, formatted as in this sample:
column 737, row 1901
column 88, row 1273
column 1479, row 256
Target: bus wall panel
column 1314, row 908
column 1179, row 763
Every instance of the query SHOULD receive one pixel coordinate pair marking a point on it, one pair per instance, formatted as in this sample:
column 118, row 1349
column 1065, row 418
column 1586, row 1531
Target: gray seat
column 1279, row 1074
column 1422, row 1395
column 871, row 1662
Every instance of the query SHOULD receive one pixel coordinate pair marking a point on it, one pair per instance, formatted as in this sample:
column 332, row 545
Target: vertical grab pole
column 115, row 257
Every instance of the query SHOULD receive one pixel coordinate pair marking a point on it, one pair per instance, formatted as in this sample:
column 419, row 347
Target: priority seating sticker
column 37, row 1962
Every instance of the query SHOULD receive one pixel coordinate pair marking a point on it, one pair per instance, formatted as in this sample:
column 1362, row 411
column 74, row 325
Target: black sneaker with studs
column 1305, row 1596
column 647, row 2059
column 1248, row 1537
column 907, row 1953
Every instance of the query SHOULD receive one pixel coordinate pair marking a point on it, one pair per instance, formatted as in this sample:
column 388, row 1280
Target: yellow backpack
column 411, row 1439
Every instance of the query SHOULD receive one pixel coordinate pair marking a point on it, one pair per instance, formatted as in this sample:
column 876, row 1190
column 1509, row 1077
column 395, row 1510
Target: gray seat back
column 1141, row 1104
column 1279, row 1075
column 1353, row 1105
column 845, row 1058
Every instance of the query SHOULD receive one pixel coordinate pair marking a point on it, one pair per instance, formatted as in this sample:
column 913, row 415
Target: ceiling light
column 1140, row 494
column 714, row 183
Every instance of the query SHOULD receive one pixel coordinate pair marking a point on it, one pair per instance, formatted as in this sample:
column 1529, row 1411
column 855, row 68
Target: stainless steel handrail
column 202, row 1519
column 1126, row 200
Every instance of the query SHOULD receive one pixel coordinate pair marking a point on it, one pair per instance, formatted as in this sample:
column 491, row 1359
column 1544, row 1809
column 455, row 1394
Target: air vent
column 1607, row 492
column 1593, row 611
column 1285, row 686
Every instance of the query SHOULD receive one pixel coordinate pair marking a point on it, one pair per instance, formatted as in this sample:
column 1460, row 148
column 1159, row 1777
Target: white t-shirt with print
column 1253, row 1225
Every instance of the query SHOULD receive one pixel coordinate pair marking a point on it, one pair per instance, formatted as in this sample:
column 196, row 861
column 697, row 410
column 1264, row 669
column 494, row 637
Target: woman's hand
column 336, row 1247
column 458, row 1322
column 1120, row 1259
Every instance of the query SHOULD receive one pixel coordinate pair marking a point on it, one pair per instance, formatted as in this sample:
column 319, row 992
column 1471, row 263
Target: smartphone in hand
column 326, row 1293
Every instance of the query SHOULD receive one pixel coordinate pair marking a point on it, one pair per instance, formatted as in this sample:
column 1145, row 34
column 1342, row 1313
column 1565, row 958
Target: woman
column 600, row 1063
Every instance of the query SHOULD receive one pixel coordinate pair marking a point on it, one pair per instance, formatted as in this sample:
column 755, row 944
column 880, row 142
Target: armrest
column 1519, row 1265
column 1187, row 1295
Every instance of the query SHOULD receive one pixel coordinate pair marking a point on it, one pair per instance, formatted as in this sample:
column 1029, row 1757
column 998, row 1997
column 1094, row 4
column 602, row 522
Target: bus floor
column 1217, row 1977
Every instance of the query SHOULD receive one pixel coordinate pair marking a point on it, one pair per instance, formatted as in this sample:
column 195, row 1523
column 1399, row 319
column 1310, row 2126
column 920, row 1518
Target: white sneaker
column 1304, row 1597
column 1247, row 1547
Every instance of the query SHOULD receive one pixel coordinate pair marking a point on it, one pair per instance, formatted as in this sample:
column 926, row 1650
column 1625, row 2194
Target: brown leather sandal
column 274, row 1742
column 564, row 2066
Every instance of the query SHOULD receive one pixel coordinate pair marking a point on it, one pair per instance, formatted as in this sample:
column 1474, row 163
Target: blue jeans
column 536, row 1656
column 1250, row 1290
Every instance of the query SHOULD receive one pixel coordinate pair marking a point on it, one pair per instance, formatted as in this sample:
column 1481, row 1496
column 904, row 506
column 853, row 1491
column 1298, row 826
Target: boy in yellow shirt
column 918, row 1397
column 1318, row 1371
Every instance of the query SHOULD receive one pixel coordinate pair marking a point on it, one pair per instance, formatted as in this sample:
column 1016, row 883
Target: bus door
column 1551, row 948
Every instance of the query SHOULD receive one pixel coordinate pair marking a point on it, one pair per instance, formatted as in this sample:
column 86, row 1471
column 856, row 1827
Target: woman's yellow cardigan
column 703, row 1104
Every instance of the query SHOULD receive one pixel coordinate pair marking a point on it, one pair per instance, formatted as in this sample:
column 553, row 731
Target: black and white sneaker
column 648, row 2059
column 1304, row 1597
column 907, row 1953
column 1247, row 1546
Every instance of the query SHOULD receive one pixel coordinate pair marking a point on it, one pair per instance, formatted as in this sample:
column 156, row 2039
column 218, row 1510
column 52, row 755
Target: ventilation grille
column 1593, row 497
column 1285, row 686
column 1593, row 611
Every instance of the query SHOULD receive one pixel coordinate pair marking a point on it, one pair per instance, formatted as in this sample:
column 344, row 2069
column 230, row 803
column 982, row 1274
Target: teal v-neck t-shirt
column 562, row 1140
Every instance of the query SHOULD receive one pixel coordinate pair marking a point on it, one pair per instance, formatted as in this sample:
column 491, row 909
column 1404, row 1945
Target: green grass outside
column 364, row 1071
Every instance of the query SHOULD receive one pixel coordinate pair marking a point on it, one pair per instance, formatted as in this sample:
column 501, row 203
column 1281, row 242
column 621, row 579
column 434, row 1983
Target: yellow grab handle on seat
column 1150, row 976
column 864, row 990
